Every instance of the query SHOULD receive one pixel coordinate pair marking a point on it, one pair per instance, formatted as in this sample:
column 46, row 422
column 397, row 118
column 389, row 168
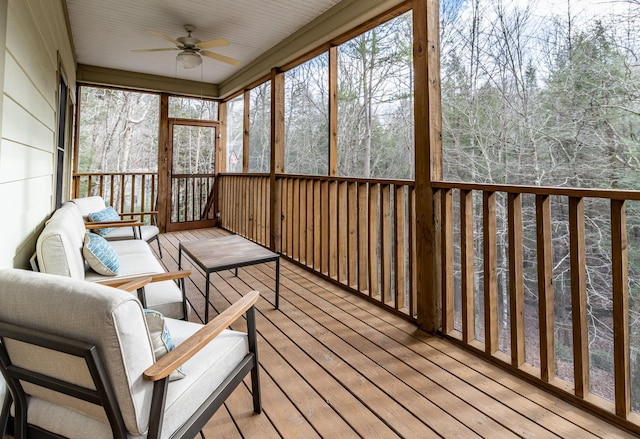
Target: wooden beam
column 428, row 155
column 144, row 82
column 277, row 158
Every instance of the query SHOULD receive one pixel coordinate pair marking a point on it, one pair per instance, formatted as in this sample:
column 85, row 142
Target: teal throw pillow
column 109, row 214
column 102, row 258
column 161, row 340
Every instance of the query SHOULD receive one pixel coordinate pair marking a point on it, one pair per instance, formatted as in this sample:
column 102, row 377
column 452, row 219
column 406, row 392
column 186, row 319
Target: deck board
column 335, row 365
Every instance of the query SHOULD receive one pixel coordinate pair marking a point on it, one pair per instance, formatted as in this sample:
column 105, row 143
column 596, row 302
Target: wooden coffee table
column 225, row 253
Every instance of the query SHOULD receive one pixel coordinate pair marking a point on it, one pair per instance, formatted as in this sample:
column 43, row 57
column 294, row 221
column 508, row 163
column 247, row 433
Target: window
column 375, row 102
column 235, row 133
column 118, row 131
column 260, row 128
column 307, row 117
column 192, row 108
column 63, row 92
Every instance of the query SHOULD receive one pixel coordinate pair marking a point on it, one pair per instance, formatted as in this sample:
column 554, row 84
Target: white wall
column 36, row 42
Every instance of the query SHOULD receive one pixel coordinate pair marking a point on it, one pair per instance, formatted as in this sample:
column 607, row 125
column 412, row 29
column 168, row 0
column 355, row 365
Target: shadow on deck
column 333, row 365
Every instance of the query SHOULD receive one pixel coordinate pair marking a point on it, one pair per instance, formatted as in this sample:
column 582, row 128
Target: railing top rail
column 397, row 182
column 105, row 174
column 613, row 194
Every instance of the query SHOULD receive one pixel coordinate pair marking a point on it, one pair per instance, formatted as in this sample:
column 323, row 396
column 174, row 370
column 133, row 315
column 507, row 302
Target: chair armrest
column 154, row 277
column 192, row 345
column 135, row 284
column 146, row 212
column 105, row 224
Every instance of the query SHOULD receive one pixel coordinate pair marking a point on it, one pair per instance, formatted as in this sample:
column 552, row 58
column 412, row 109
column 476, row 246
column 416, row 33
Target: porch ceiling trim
column 141, row 81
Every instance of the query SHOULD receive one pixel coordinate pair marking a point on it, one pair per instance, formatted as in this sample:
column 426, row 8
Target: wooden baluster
column 490, row 272
column 385, row 247
column 295, row 220
column 363, row 238
column 413, row 304
column 352, row 231
column 545, row 287
column 374, row 207
column 400, row 234
column 620, row 284
column 467, row 266
column 579, row 297
column 310, row 219
column 324, row 233
column 446, row 249
column 333, row 229
column 516, row 280
column 302, row 223
column 133, row 195
column 318, row 227
column 342, row 218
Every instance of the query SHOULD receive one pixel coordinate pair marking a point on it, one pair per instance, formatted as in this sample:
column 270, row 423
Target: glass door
column 192, row 174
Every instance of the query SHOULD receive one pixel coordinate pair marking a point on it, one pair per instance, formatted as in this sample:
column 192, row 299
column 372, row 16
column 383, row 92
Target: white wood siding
column 36, row 38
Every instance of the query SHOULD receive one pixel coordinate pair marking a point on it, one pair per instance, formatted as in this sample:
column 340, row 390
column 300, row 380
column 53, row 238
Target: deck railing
column 358, row 232
column 535, row 278
column 130, row 192
column 538, row 279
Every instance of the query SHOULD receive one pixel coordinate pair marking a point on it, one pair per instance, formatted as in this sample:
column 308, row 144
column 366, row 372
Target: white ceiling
column 105, row 31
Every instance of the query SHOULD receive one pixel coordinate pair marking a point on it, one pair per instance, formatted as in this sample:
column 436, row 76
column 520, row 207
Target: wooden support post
column 163, row 164
column 277, row 158
column 428, row 156
column 333, row 111
column 245, row 132
column 221, row 154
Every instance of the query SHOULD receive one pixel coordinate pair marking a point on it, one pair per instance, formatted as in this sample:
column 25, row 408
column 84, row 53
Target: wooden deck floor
column 335, row 366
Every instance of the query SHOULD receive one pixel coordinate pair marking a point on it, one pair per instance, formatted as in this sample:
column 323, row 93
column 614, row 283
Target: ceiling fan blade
column 154, row 50
column 163, row 36
column 212, row 43
column 216, row 56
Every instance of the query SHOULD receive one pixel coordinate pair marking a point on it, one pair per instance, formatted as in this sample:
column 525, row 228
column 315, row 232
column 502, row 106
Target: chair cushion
column 205, row 371
column 101, row 257
column 59, row 246
column 108, row 214
column 161, row 339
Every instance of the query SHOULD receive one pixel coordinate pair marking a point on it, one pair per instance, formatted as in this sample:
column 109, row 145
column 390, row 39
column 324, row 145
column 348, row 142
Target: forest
column 534, row 92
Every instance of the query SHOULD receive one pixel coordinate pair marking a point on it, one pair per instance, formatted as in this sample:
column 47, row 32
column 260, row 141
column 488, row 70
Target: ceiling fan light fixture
column 189, row 59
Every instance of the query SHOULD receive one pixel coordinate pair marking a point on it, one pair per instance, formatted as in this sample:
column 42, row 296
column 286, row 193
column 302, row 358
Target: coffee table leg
column 206, row 302
column 277, row 283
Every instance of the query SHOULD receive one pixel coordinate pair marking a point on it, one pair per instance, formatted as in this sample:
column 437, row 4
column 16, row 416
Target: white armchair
column 123, row 229
column 79, row 361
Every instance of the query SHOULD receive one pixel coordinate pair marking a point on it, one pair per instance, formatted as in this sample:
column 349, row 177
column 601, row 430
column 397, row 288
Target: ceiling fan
column 192, row 48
